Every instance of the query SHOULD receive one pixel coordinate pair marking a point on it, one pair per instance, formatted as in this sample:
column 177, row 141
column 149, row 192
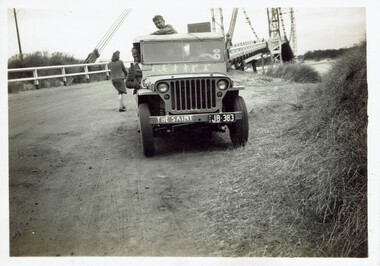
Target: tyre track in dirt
column 80, row 186
column 54, row 188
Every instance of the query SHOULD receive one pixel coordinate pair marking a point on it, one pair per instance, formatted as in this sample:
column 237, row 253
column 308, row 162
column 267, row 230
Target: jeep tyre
column 239, row 129
column 146, row 130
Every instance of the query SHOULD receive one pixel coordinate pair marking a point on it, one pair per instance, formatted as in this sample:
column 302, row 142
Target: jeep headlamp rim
column 222, row 84
column 162, row 87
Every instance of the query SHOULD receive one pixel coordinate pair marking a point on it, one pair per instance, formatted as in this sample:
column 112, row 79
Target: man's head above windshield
column 159, row 21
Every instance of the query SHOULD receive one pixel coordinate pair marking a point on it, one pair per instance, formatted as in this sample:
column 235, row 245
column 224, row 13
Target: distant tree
column 58, row 58
column 42, row 58
column 325, row 54
column 38, row 59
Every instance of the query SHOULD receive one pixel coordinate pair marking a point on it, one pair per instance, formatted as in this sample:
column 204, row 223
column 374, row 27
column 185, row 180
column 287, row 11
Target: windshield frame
column 215, row 51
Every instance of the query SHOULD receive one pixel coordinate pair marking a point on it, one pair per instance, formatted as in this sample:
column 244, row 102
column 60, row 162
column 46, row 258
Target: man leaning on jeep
column 134, row 72
column 162, row 27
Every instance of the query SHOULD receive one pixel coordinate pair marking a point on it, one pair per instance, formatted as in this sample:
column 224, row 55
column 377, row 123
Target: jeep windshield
column 183, row 51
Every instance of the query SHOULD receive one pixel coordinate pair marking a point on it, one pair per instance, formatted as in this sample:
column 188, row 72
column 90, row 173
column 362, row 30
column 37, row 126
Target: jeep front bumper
column 213, row 118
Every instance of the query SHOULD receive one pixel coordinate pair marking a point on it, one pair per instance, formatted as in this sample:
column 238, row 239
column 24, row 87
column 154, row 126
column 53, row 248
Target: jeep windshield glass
column 184, row 51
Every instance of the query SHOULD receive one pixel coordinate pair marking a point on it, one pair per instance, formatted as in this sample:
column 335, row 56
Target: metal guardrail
column 246, row 52
column 245, row 48
column 86, row 72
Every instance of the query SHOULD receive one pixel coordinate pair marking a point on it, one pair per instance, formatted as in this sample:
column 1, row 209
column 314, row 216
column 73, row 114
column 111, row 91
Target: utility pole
column 18, row 34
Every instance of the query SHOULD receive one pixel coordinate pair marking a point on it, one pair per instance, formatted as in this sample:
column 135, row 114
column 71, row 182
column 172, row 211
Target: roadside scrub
column 338, row 134
column 299, row 187
column 294, row 72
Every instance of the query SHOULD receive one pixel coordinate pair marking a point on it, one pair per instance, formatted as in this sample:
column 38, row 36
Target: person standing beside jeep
column 163, row 28
column 134, row 72
column 118, row 75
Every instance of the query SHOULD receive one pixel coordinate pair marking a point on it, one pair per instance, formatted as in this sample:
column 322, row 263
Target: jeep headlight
column 222, row 84
column 162, row 87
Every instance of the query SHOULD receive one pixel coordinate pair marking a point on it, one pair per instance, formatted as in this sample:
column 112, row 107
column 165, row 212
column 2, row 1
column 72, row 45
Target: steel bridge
column 277, row 46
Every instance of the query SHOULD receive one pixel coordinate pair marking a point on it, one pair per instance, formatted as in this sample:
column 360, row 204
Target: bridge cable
column 249, row 23
column 117, row 26
column 91, row 58
column 111, row 32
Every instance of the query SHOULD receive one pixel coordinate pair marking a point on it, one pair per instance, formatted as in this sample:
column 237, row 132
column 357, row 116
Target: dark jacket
column 134, row 77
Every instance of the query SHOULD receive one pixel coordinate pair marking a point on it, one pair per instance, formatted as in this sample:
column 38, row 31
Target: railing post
column 87, row 76
column 64, row 77
column 107, row 73
column 35, row 75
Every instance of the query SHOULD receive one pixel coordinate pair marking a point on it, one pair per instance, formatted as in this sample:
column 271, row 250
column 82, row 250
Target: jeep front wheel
column 146, row 130
column 239, row 129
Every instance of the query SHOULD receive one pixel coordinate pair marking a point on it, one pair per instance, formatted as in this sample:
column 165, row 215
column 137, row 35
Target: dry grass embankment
column 299, row 187
column 295, row 72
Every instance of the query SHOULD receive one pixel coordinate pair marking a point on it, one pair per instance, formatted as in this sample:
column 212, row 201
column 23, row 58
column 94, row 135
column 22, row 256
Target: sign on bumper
column 229, row 117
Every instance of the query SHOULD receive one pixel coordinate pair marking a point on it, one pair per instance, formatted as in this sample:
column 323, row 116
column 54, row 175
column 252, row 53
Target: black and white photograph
column 189, row 133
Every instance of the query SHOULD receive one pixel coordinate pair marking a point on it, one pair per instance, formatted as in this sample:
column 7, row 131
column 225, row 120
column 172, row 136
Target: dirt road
column 79, row 184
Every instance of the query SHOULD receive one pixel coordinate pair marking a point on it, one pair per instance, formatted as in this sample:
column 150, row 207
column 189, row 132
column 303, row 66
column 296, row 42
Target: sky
column 76, row 31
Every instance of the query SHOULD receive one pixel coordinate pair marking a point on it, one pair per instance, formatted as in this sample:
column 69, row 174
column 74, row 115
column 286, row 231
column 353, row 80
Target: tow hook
column 222, row 128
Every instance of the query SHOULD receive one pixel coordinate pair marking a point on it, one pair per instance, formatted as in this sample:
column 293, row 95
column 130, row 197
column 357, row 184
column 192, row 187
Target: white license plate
column 221, row 118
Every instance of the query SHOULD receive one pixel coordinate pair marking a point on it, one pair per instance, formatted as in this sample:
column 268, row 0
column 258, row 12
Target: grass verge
column 299, row 187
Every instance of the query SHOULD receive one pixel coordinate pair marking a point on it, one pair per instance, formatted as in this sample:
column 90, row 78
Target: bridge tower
column 293, row 34
column 274, row 42
column 281, row 12
column 217, row 20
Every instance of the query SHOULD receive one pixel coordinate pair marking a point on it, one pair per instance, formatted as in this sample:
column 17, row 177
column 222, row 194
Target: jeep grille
column 193, row 94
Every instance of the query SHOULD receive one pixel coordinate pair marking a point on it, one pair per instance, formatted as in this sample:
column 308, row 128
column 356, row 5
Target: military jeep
column 185, row 84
